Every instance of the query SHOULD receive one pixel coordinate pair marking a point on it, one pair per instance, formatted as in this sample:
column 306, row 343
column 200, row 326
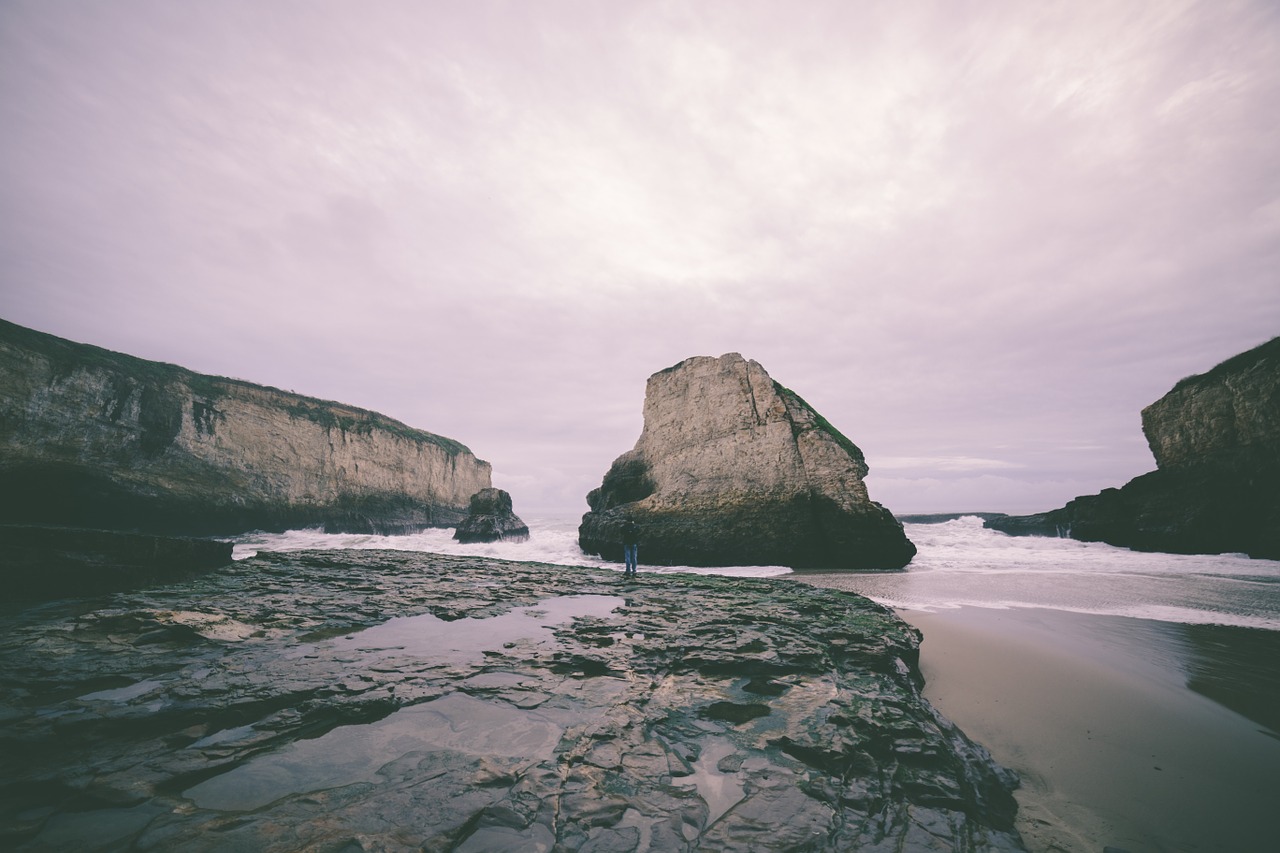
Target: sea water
column 959, row 564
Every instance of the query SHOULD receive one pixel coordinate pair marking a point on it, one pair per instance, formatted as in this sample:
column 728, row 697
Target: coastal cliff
column 1216, row 441
column 94, row 438
column 734, row 469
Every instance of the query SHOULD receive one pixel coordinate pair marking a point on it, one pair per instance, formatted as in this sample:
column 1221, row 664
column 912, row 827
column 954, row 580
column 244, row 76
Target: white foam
column 959, row 564
column 551, row 540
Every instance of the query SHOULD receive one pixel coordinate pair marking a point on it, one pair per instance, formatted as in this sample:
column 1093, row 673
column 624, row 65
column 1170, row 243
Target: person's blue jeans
column 629, row 555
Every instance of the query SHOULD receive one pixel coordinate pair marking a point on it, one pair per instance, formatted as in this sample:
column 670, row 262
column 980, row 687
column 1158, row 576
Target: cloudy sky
column 977, row 236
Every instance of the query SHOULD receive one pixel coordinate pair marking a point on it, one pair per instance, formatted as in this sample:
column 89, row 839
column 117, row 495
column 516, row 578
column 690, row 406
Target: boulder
column 490, row 519
column 1216, row 441
column 734, row 469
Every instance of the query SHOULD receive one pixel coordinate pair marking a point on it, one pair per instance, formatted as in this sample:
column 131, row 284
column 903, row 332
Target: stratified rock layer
column 734, row 469
column 1216, row 441
column 491, row 518
column 405, row 702
column 93, row 438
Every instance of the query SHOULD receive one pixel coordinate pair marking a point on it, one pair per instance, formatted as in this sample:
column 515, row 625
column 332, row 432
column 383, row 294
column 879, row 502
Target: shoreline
column 1122, row 729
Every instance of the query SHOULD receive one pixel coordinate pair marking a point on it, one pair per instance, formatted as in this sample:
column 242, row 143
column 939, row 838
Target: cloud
column 942, row 463
column 972, row 237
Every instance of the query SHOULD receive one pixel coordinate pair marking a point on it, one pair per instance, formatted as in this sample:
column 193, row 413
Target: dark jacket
column 630, row 533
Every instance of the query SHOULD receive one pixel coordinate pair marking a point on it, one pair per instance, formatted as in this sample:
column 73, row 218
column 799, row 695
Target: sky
column 978, row 237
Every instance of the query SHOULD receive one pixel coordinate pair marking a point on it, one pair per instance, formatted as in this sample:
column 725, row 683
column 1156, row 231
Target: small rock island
column 491, row 519
column 734, row 469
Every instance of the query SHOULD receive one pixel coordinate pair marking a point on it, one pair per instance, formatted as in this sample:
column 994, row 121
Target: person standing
column 630, row 546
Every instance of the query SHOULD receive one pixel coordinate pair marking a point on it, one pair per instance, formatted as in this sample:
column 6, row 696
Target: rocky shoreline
column 407, row 701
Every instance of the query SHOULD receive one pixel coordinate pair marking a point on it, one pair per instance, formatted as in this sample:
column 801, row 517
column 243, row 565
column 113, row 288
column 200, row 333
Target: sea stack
column 99, row 439
column 1216, row 442
column 734, row 469
column 491, row 518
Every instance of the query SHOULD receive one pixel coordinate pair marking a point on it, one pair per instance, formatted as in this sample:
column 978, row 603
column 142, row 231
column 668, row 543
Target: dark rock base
column 804, row 533
column 1223, row 507
column 73, row 496
column 56, row 562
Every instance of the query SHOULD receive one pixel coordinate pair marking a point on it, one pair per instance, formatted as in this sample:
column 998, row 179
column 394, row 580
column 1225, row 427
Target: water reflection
column 468, row 638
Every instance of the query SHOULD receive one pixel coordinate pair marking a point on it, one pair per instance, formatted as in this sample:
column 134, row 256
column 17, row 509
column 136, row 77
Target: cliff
column 1230, row 412
column 94, row 438
column 731, row 468
column 1216, row 442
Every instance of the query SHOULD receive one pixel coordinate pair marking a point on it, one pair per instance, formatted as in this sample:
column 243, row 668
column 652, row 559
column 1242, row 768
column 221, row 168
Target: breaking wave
column 959, row 564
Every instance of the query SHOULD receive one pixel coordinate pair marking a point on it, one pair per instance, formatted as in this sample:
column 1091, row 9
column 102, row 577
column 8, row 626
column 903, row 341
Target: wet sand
column 1110, row 724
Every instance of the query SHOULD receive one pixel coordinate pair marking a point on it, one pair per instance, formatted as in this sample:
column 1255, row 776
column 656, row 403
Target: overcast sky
column 977, row 236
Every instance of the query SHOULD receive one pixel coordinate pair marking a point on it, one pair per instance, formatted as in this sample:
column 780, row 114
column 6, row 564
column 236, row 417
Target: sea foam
column 959, row 564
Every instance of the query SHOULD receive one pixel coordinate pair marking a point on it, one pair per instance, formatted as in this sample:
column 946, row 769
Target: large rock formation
column 1216, row 441
column 397, row 701
column 491, row 518
column 734, row 469
column 95, row 438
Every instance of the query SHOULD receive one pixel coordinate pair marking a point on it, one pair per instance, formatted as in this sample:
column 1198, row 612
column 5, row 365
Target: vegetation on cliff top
column 822, row 424
column 1235, row 364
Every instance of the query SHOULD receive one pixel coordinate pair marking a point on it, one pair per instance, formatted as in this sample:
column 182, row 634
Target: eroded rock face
column 1216, row 441
column 93, row 438
column 1233, row 410
column 734, row 469
column 402, row 701
column 491, row 518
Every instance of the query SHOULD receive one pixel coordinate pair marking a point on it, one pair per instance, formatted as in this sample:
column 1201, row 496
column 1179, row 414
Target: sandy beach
column 1128, row 733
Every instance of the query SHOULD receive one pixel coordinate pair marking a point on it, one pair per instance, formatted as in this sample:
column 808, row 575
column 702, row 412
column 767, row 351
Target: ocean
column 959, row 564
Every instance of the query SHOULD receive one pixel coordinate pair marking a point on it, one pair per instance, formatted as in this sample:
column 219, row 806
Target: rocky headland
column 491, row 518
column 1216, row 442
column 395, row 701
column 93, row 438
column 732, row 468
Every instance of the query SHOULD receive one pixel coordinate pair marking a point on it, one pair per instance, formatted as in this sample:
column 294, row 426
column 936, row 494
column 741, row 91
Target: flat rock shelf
column 376, row 700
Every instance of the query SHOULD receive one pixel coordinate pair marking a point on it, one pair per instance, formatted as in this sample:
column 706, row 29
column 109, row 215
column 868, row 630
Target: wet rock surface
column 398, row 701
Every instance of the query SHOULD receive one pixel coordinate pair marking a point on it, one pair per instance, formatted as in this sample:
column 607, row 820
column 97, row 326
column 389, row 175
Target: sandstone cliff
column 1216, row 441
column 95, row 438
column 733, row 469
